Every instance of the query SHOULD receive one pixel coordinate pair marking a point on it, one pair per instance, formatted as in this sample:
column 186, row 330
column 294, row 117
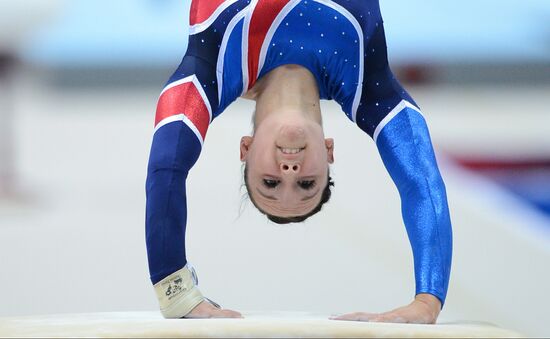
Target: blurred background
column 79, row 82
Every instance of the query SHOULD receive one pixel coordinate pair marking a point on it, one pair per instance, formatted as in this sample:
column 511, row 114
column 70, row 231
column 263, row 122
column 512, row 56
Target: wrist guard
column 178, row 293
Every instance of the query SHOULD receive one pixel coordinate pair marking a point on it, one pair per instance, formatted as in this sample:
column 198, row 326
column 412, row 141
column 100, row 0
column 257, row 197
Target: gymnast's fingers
column 207, row 310
column 230, row 314
column 389, row 318
column 356, row 316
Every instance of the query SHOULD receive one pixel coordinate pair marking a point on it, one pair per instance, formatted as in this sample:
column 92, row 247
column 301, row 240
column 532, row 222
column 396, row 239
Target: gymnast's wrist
column 429, row 300
column 178, row 293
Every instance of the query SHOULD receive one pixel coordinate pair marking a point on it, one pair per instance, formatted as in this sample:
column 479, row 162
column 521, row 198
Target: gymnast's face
column 287, row 162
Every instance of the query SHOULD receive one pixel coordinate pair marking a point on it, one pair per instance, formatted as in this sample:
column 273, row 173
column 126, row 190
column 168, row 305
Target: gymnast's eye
column 271, row 183
column 306, row 184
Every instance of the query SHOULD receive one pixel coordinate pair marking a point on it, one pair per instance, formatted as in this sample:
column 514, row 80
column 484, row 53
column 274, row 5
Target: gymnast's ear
column 329, row 144
column 245, row 146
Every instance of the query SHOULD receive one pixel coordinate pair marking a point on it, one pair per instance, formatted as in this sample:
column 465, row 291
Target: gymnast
column 287, row 55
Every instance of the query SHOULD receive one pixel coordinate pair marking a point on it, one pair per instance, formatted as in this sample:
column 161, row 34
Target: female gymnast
column 287, row 55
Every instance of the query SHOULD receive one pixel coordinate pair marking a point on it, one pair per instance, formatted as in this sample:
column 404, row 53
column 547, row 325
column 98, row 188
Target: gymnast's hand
column 207, row 310
column 423, row 310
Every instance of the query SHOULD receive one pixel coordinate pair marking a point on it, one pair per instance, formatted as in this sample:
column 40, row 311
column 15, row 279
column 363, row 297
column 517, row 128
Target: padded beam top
column 256, row 325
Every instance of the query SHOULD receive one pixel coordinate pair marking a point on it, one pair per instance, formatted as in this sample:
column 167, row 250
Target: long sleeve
column 406, row 150
column 184, row 113
column 388, row 114
column 209, row 78
column 166, row 209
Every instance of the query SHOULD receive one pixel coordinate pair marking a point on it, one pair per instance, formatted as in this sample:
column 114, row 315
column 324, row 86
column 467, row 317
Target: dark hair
column 287, row 220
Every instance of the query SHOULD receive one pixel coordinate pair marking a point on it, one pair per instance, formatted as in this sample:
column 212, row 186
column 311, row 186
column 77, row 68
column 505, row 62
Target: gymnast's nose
column 289, row 167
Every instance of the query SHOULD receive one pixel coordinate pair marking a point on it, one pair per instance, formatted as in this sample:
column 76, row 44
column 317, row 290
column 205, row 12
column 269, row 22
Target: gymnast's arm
column 406, row 150
column 390, row 116
column 181, row 123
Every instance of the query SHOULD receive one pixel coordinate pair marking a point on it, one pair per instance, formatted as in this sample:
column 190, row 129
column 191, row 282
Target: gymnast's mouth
column 291, row 150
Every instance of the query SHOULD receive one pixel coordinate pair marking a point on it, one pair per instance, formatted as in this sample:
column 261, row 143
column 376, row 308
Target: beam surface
column 256, row 325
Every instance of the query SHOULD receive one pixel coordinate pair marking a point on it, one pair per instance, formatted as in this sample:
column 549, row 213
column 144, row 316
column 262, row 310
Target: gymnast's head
column 287, row 158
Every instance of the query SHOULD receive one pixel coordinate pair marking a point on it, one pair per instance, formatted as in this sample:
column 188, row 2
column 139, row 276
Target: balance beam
column 255, row 325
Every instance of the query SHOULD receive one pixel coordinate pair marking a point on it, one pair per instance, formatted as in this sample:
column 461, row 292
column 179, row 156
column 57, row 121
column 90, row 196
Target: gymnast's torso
column 234, row 43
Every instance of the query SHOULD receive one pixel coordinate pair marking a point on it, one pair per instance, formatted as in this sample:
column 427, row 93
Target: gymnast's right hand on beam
column 206, row 310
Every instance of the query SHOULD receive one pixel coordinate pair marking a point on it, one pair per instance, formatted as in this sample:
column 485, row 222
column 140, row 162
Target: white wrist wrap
column 178, row 294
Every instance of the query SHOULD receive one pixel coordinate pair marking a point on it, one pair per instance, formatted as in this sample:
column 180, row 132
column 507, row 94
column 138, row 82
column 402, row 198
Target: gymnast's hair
column 287, row 220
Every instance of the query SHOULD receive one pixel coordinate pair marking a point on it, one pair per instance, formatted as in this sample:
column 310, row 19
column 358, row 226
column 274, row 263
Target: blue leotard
column 232, row 44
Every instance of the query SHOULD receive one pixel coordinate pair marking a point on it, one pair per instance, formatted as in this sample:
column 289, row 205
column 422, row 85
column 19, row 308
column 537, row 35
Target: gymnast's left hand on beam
column 423, row 310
